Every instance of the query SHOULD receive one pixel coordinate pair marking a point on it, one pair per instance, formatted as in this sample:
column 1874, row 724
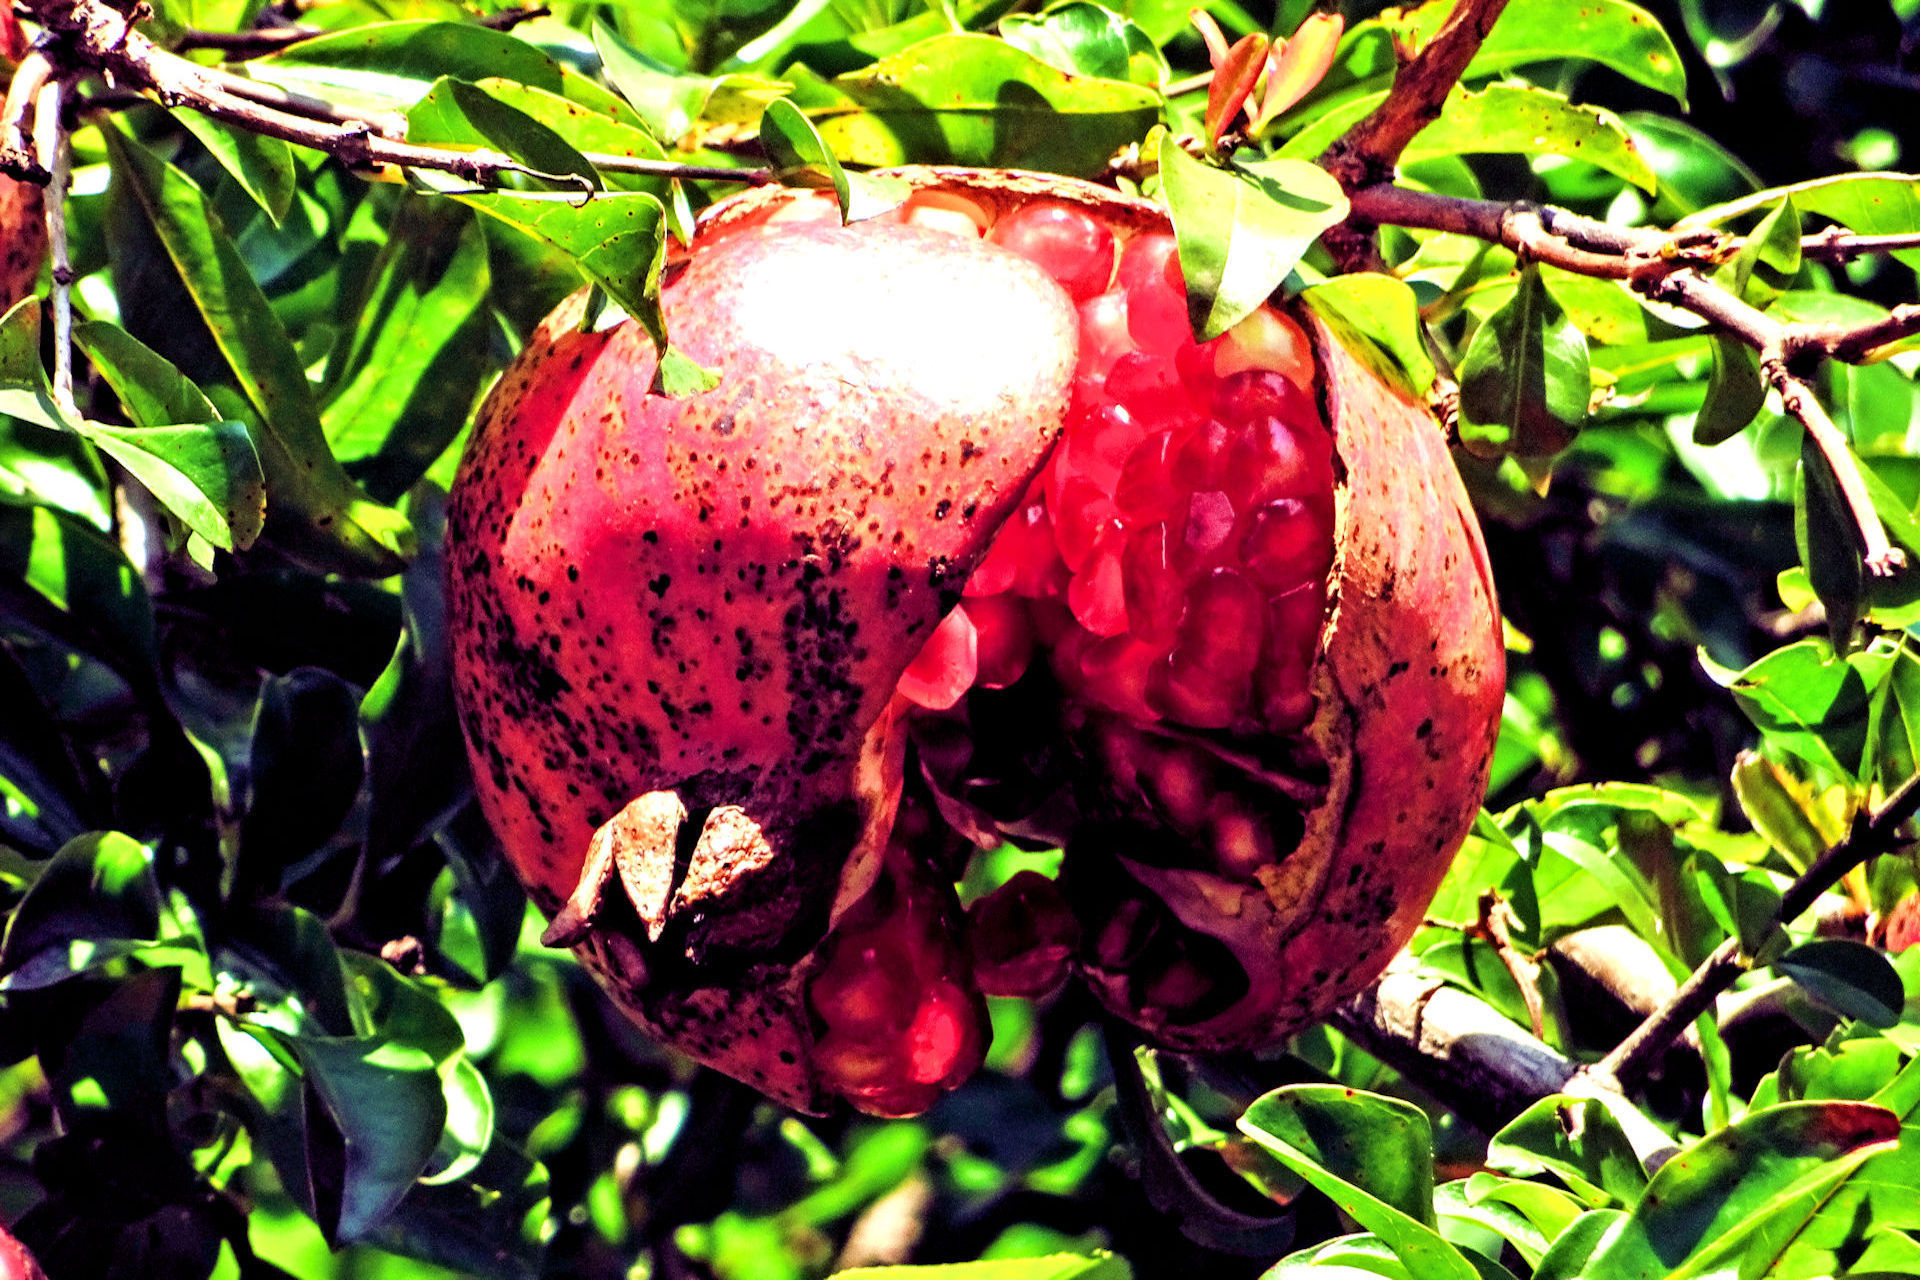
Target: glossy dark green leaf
column 800, row 158
column 261, row 165
column 1515, row 119
column 416, row 759
column 384, row 1097
column 386, row 1005
column 1831, row 548
column 151, row 389
column 1778, row 809
column 1734, row 392
column 61, row 576
column 1384, row 310
column 46, row 797
column 1524, row 382
column 487, row 1222
column 314, row 510
column 305, row 772
column 1852, row 978
column 1767, row 262
column 1571, row 1254
column 207, row 474
column 117, row 1063
column 1721, row 1195
column 98, row 889
column 1372, row 1155
column 967, row 99
column 418, row 356
column 285, row 956
column 392, row 64
column 1578, row 1141
column 1242, row 230
column 486, row 890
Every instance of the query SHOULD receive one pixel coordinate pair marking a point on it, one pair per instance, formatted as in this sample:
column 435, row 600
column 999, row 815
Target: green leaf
column 1577, row 1140
column 304, row 775
column 969, row 99
column 1868, row 204
column 98, row 889
column 24, row 390
column 490, row 1221
column 1850, row 977
column 392, row 64
column 800, row 158
column 1524, row 382
column 418, row 355
column 261, row 165
column 1086, row 39
column 1613, row 33
column 1734, row 391
column 1811, row 704
column 151, row 390
column 1769, row 258
column 314, row 510
column 1383, row 309
column 1372, row 1155
column 1830, row 545
column 610, row 131
column 672, row 102
column 1099, row 1266
column 60, row 576
column 206, row 473
column 385, row 1098
column 416, row 760
column 1241, row 231
column 1707, row 1205
column 1571, row 1255
column 1778, row 809
column 458, row 113
column 47, row 797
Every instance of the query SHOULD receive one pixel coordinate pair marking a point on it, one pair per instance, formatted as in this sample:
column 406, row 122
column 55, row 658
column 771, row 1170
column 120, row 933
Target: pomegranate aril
column 1225, row 624
column 1085, row 513
column 1179, row 788
column 1207, row 529
column 1202, row 460
column 1150, row 388
column 1103, row 335
column 1185, row 691
column 1286, row 663
column 1117, row 673
column 944, row 668
column 1096, row 595
column 1263, row 394
column 1097, row 445
column 1287, row 545
column 1005, row 639
column 1069, row 244
column 1021, row 937
column 1156, row 293
column 1156, row 594
column 1146, row 490
column 1265, row 340
column 1242, row 844
column 1268, row 462
column 864, row 990
column 1024, row 558
column 937, row 1040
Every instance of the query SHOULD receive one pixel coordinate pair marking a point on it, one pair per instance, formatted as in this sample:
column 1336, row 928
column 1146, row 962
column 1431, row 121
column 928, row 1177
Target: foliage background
column 283, row 1011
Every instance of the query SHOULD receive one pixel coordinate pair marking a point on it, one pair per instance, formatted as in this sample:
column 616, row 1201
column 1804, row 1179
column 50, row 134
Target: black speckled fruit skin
column 715, row 595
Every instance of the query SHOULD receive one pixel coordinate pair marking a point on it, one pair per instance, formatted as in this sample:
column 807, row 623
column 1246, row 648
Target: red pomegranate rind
column 774, row 594
column 1409, row 683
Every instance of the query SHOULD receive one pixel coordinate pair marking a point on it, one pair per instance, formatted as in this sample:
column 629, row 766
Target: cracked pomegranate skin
column 682, row 633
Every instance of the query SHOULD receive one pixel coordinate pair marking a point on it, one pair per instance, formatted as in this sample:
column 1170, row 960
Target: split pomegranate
column 972, row 541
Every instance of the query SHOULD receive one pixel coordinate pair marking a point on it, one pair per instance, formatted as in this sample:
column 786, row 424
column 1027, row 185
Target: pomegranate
column 972, row 542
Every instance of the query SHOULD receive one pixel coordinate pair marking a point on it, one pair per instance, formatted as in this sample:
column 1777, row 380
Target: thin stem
column 1877, row 834
column 50, row 141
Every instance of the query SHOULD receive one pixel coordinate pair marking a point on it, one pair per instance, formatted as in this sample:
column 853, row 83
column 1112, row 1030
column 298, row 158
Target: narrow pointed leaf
column 1524, row 383
column 1734, row 391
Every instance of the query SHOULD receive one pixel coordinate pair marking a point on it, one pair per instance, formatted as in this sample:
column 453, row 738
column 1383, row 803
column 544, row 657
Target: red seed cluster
column 899, row 1021
column 1172, row 559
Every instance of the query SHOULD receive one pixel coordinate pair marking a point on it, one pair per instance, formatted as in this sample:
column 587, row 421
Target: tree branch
column 1871, row 836
column 1369, row 150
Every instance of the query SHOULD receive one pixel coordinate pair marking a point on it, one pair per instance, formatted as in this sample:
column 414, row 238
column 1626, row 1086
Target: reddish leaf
column 1299, row 64
column 1234, row 77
